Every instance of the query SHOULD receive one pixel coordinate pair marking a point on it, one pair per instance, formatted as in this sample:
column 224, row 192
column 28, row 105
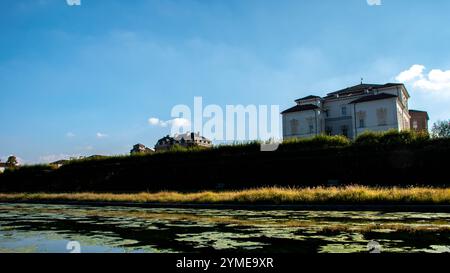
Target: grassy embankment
column 373, row 159
column 270, row 195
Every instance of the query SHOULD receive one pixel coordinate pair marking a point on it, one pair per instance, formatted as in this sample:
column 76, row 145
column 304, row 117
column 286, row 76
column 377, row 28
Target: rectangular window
column 382, row 116
column 361, row 116
column 362, row 123
column 344, row 110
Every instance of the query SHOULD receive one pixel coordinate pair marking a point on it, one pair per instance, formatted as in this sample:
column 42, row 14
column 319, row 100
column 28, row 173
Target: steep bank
column 385, row 159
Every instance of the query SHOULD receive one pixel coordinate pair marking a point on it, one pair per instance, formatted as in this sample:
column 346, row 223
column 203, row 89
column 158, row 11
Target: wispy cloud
column 437, row 81
column 101, row 135
column 374, row 2
column 73, row 2
column 70, row 135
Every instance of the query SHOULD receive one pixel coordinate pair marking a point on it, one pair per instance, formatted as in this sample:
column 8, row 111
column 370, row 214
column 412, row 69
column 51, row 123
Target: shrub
column 368, row 138
column 394, row 138
column 317, row 142
column 391, row 138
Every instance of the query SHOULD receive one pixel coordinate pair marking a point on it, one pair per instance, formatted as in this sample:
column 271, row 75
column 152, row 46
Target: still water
column 50, row 228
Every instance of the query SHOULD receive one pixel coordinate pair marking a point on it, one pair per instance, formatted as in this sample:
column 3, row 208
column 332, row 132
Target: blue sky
column 81, row 80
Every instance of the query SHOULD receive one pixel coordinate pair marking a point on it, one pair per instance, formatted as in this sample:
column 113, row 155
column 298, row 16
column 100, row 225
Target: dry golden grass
column 270, row 195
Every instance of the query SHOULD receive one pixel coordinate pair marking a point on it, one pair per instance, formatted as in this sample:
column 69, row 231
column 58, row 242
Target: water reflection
column 48, row 228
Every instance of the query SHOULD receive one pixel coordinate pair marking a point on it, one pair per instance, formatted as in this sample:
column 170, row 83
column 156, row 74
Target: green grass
column 270, row 195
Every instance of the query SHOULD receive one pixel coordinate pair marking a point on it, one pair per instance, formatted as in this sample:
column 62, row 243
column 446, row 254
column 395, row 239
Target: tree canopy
column 441, row 129
column 12, row 161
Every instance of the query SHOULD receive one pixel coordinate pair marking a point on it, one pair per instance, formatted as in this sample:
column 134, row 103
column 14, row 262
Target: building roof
column 419, row 111
column 380, row 96
column 362, row 87
column 189, row 136
column 185, row 136
column 308, row 98
column 300, row 108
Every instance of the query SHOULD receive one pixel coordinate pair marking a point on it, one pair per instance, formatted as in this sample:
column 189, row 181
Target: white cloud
column 374, row 2
column 436, row 81
column 416, row 71
column 157, row 122
column 177, row 122
column 101, row 135
column 153, row 121
column 70, row 135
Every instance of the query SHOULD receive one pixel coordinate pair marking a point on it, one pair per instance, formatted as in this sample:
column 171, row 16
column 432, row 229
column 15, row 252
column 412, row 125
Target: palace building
column 352, row 111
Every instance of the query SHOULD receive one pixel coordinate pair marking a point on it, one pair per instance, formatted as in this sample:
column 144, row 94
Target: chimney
column 193, row 136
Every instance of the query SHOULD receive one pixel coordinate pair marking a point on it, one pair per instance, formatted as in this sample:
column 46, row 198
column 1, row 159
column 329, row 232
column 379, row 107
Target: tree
column 441, row 129
column 12, row 161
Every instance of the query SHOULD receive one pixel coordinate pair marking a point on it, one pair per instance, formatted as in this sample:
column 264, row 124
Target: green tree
column 441, row 129
column 12, row 161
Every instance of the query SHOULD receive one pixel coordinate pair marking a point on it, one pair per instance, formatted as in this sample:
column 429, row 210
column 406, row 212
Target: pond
column 56, row 228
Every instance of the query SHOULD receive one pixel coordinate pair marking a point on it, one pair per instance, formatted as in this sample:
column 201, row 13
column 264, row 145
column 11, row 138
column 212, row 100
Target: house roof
column 361, row 87
column 308, row 97
column 300, row 108
column 380, row 96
